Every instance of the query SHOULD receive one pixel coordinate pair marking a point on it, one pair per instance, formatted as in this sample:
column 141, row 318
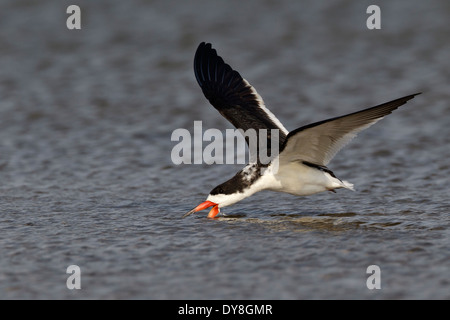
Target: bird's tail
column 348, row 185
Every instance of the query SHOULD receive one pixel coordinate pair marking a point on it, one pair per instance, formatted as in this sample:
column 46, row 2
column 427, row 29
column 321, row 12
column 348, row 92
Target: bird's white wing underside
column 321, row 143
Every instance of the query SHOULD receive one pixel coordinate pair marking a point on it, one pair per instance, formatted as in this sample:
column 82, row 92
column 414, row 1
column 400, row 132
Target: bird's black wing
column 233, row 96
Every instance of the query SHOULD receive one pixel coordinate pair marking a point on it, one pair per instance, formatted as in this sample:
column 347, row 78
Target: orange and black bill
column 214, row 211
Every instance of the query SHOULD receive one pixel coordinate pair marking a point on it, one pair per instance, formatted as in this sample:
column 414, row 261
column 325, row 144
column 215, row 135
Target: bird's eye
column 217, row 190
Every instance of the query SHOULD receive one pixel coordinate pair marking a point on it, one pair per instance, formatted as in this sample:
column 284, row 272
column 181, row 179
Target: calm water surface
column 86, row 176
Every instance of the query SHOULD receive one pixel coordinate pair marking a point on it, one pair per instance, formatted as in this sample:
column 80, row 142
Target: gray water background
column 86, row 177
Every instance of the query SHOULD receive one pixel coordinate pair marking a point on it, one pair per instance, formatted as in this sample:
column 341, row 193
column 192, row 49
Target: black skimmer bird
column 304, row 153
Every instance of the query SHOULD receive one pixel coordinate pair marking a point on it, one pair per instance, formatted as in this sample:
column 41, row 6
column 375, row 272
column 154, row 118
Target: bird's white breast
column 302, row 180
